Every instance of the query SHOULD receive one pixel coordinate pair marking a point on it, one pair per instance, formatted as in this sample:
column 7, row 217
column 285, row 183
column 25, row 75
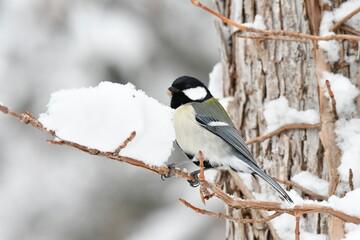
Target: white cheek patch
column 217, row 124
column 195, row 94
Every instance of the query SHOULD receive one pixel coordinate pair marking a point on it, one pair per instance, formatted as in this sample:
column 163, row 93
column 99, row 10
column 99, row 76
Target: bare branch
column 129, row 139
column 351, row 184
column 274, row 206
column 304, row 190
column 333, row 102
column 297, row 227
column 347, row 17
column 350, row 29
column 281, row 129
column 264, row 38
column 275, row 32
column 227, row 217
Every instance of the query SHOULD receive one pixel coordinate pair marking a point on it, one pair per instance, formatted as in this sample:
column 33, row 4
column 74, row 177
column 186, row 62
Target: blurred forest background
column 49, row 192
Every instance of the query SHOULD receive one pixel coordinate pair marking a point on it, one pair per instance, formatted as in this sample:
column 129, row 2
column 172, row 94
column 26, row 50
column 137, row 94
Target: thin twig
column 281, row 129
column 274, row 206
column 129, row 139
column 272, row 38
column 275, row 32
column 248, row 195
column 297, row 227
column 333, row 102
column 350, row 29
column 347, row 17
column 201, row 160
column 227, row 217
column 204, row 193
column 304, row 190
column 351, row 184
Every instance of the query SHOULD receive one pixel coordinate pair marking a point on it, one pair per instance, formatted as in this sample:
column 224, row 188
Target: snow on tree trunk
column 257, row 71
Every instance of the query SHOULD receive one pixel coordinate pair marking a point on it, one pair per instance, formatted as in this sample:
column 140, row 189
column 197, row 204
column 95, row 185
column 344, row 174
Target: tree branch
column 347, row 17
column 281, row 129
column 332, row 98
column 235, row 203
column 304, row 190
column 227, row 217
column 275, row 32
column 351, row 184
column 297, row 227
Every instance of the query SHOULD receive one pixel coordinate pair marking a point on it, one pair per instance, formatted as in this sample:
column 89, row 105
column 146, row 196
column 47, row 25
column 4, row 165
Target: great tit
column 202, row 124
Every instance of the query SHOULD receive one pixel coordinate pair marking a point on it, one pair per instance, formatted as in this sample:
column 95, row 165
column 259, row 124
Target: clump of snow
column 216, row 86
column 348, row 139
column 347, row 204
column 311, row 182
column 225, row 102
column 326, row 2
column 332, row 47
column 326, row 22
column 258, row 23
column 102, row 117
column 345, row 9
column 344, row 93
column 278, row 113
column 285, row 227
column 247, row 180
column 352, row 231
column 216, row 81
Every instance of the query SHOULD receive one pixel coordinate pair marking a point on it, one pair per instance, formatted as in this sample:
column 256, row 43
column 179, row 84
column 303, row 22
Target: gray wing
column 227, row 132
column 230, row 135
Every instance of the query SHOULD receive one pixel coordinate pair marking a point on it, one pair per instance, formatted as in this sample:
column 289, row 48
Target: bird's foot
column 195, row 174
column 170, row 174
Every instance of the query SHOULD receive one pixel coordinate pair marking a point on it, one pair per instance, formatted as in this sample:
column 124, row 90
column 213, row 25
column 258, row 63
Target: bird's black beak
column 172, row 90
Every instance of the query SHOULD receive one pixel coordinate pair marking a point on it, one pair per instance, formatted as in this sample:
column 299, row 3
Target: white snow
column 326, row 2
column 102, row 117
column 344, row 93
column 311, row 182
column 332, row 47
column 352, row 231
column 216, row 81
column 348, row 139
column 216, row 87
column 345, row 9
column 278, row 113
column 348, row 204
column 285, row 227
column 258, row 23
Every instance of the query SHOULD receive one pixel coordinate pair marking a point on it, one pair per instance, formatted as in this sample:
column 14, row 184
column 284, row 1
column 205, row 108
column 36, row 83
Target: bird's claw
column 194, row 183
column 170, row 174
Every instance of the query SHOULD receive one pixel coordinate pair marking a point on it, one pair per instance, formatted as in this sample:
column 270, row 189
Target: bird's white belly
column 193, row 138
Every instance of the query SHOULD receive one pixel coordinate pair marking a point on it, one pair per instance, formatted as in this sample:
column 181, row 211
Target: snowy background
column 50, row 192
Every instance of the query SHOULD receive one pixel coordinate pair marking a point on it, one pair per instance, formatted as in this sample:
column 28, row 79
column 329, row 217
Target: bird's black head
column 188, row 89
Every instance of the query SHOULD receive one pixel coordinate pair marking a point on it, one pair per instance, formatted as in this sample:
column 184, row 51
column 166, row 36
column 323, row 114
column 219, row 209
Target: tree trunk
column 257, row 71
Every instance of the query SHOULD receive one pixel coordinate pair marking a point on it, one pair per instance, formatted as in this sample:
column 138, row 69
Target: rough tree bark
column 257, row 71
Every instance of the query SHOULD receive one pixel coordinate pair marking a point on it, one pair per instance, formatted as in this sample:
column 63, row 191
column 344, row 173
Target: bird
column 202, row 124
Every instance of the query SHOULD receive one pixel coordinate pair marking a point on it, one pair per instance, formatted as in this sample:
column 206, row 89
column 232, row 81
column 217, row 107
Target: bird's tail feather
column 269, row 180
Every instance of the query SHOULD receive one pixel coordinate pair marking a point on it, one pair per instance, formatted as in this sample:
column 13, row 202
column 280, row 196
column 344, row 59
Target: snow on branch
column 73, row 114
